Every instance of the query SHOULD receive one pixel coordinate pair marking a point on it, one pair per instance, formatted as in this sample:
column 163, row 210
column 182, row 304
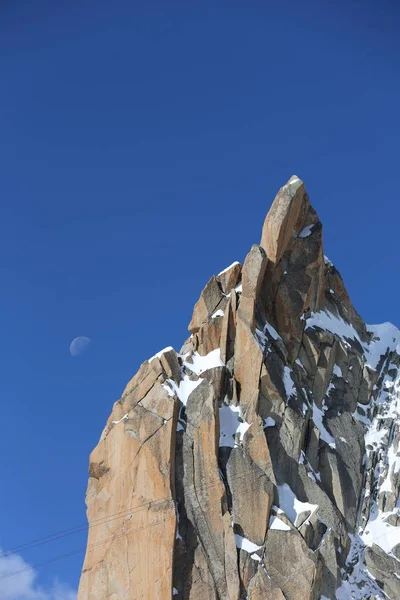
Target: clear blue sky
column 141, row 147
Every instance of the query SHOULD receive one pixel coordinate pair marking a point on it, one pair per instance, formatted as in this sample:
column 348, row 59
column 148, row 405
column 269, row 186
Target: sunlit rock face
column 262, row 460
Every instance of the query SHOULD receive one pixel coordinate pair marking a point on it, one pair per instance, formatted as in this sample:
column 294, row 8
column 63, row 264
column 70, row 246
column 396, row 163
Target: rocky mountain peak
column 260, row 461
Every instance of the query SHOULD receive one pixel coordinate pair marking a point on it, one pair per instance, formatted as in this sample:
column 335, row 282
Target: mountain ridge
column 265, row 450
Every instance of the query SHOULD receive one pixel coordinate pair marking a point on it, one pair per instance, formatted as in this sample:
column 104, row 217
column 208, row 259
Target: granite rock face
column 262, row 460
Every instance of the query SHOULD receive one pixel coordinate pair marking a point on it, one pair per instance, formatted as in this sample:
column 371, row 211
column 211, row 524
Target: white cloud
column 24, row 586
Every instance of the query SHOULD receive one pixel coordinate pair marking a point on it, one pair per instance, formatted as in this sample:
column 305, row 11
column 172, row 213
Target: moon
column 79, row 345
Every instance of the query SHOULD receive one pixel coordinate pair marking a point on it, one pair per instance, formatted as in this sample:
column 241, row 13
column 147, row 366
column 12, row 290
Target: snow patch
column 335, row 324
column 272, row 332
column 300, row 364
column 337, row 371
column 306, row 231
column 183, row 390
column 277, row 523
column 379, row 532
column 245, row 544
column 318, row 416
column 204, row 363
column 255, row 557
column 159, row 354
column 385, row 337
column 228, row 268
column 262, row 337
column 288, row 383
column 121, row 419
column 231, row 425
column 291, row 506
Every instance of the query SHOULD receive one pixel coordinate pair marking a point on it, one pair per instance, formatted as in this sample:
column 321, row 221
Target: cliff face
column 261, row 461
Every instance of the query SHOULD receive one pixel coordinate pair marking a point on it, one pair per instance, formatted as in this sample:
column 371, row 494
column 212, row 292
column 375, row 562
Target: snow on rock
column 292, row 507
column 200, row 364
column 186, row 386
column 337, row 371
column 385, row 337
column 228, row 268
column 374, row 437
column 271, row 330
column 263, row 339
column 379, row 532
column 329, row 389
column 381, row 419
column 269, row 422
column 359, row 584
column 306, row 231
column 245, row 544
column 255, row 557
column 313, row 475
column 159, row 354
column 218, row 313
column 231, row 425
column 121, row 419
column 318, row 418
column 273, row 333
column 183, row 390
column 335, row 324
column 393, row 467
column 277, row 523
column 288, row 382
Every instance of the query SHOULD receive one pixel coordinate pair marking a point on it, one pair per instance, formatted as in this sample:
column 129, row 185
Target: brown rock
column 205, row 500
column 253, row 272
column 261, row 587
column 283, row 220
column 228, row 329
column 230, row 277
column 129, row 553
column 207, row 304
column 248, row 362
column 141, row 383
column 208, row 337
column 290, row 564
column 250, row 511
column 170, row 364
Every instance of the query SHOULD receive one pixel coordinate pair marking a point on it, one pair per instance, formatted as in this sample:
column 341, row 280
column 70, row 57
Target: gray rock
column 386, row 570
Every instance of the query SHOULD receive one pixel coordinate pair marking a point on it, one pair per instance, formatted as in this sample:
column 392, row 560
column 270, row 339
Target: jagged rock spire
column 285, row 218
column 236, row 468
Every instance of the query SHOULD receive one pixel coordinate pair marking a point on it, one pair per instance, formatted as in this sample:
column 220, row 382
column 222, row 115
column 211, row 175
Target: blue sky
column 141, row 148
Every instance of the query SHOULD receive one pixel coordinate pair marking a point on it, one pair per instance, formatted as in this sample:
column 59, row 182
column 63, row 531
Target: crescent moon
column 79, row 345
